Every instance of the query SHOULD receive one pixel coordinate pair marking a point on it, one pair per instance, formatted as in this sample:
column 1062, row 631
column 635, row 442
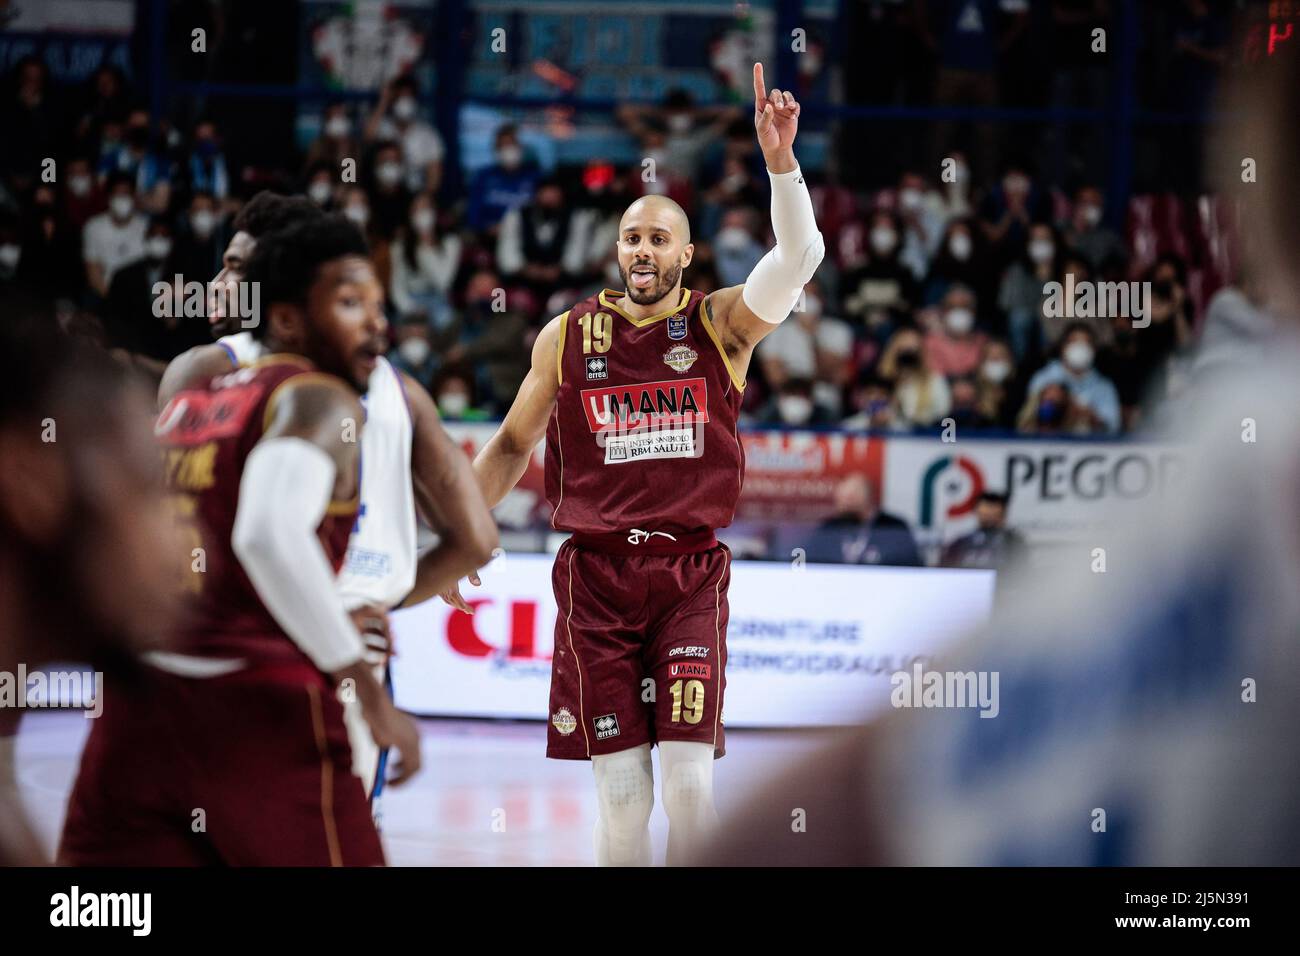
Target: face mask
column 422, row 220
column 679, row 122
column 909, row 199
column 735, row 182
column 158, row 247
column 338, row 127
column 358, row 214
column 1048, row 412
column 907, row 360
column 733, row 238
column 960, row 246
column 320, row 193
column 959, row 320
column 405, row 108
column 389, row 174
column 1092, row 215
column 996, row 371
column 1078, row 356
column 883, row 240
column 1041, row 250
column 9, row 255
column 795, row 409
column 453, row 404
column 79, row 185
column 414, row 350
column 121, row 206
column 203, row 222
column 510, row 156
column 207, row 148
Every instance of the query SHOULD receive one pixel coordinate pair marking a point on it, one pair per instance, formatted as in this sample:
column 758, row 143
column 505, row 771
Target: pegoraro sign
column 1060, row 491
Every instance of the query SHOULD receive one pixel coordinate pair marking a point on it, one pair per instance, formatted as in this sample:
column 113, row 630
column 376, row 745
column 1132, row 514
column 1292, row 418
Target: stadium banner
column 1061, row 491
column 808, row 645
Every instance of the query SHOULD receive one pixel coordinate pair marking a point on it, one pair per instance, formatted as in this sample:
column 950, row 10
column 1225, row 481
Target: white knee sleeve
column 625, row 791
column 773, row 288
column 688, row 781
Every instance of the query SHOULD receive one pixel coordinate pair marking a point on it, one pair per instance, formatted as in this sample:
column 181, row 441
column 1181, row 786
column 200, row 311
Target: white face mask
column 1092, row 215
column 679, row 122
column 794, row 409
column 733, row 238
column 453, row 404
column 510, row 156
column 1078, row 356
column 1041, row 250
column 337, row 127
column 389, row 174
column 405, row 108
column 909, row 200
column 10, row 254
column 996, row 370
column 422, row 220
column 202, row 222
column 959, row 244
column 357, row 213
column 121, row 206
column 883, row 240
column 158, row 247
column 79, row 185
column 959, row 320
column 414, row 350
column 320, row 192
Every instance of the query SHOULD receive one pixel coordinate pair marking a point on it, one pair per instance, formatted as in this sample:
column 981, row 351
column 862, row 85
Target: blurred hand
column 371, row 621
column 453, row 597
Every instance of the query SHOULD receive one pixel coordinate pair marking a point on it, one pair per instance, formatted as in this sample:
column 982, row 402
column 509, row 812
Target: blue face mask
column 1048, row 411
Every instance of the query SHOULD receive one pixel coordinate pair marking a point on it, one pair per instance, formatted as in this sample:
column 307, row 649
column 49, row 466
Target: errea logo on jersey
column 597, row 368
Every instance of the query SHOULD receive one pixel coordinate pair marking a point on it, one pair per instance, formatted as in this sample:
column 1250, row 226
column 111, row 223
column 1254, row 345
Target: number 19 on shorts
column 688, row 700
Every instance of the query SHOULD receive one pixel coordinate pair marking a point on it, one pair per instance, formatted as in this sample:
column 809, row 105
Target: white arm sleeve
column 283, row 495
column 774, row 286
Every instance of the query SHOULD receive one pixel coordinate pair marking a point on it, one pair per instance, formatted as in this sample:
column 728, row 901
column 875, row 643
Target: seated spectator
column 397, row 117
column 1008, row 210
column 1093, row 398
column 487, row 344
column 386, row 190
column 600, row 207
column 425, row 262
column 1085, row 232
column 129, row 316
column 148, row 169
column 321, row 184
column 992, row 544
column 999, row 385
column 50, row 254
column 506, row 184
column 922, row 218
column 966, row 412
column 1074, row 269
column 537, row 243
column 413, row 352
column 954, row 346
column 114, row 238
column 1022, row 292
column 455, row 402
column 355, row 204
column 793, row 407
column 860, row 533
column 873, row 404
column 206, row 166
column 736, row 250
column 1049, row 412
column 921, row 396
column 962, row 259
column 83, row 197
column 336, row 142
column 880, row 291
column 812, row 346
column 201, row 241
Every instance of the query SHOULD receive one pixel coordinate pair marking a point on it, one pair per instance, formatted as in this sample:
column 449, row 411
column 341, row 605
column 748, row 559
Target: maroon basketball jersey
column 643, row 434
column 207, row 433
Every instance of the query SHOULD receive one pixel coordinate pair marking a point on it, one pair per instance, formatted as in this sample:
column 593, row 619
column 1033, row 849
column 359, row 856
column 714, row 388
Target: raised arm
column 448, row 496
column 744, row 314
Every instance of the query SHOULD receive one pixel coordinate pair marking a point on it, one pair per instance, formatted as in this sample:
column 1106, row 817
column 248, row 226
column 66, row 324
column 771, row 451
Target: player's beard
column 665, row 282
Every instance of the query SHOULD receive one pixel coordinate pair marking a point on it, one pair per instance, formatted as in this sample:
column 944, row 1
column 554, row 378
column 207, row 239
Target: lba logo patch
column 704, row 671
column 677, row 327
column 597, row 368
column 606, row 726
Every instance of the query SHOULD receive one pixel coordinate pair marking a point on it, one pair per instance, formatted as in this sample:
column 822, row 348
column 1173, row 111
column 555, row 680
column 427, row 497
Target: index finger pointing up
column 760, row 91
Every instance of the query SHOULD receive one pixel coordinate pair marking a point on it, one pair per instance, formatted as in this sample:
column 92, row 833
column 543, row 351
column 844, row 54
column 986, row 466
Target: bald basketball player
column 637, row 391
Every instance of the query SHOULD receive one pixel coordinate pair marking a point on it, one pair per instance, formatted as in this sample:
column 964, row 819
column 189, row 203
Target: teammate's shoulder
column 299, row 391
column 193, row 368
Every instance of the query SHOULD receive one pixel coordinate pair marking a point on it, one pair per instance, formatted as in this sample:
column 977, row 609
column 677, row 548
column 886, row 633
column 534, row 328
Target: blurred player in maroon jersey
column 238, row 753
column 637, row 391
column 85, row 534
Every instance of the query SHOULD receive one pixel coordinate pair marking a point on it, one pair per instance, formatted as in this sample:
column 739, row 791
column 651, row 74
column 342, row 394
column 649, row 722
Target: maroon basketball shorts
column 640, row 648
column 248, row 769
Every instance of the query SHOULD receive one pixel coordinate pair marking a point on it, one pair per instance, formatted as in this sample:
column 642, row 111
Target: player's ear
column 687, row 254
column 287, row 322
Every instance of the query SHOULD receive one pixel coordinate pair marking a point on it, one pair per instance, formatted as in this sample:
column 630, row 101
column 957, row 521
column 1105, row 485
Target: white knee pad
column 688, row 782
column 625, row 788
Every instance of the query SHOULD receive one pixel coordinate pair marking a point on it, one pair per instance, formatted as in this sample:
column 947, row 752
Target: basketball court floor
column 485, row 796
